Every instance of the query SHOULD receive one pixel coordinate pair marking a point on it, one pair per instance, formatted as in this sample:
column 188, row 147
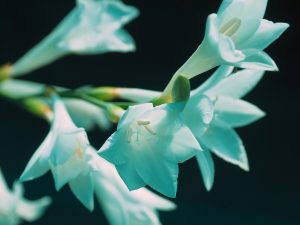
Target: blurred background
column 166, row 34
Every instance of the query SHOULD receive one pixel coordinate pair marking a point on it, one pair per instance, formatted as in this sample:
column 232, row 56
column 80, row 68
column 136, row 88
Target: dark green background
column 166, row 33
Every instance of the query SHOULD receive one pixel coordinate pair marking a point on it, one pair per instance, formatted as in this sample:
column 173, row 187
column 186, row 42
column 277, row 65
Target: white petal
column 152, row 200
column 235, row 112
column 87, row 115
column 132, row 113
column 116, row 148
column 205, row 57
column 248, row 11
column 183, row 145
column 213, row 80
column 32, row 210
column 130, row 176
column 206, row 165
column 83, row 188
column 225, row 143
column 66, row 144
column 38, row 164
column 238, row 84
column 158, row 173
column 258, row 61
column 228, row 52
column 198, row 113
column 267, row 33
column 69, row 170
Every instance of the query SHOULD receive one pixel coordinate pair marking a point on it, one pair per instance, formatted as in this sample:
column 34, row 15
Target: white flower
column 66, row 152
column 236, row 36
column 14, row 208
column 148, row 145
column 212, row 112
column 92, row 27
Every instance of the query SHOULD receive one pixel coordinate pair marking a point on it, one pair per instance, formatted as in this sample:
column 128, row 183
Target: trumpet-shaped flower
column 212, row 112
column 66, row 152
column 92, row 27
column 148, row 145
column 14, row 208
column 236, row 36
column 122, row 206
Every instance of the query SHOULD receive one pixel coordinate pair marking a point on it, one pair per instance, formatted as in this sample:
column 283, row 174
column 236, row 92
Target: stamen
column 143, row 123
column 129, row 135
column 150, row 130
column 231, row 27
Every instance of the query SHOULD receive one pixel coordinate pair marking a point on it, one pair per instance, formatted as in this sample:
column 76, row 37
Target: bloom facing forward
column 14, row 208
column 148, row 145
column 67, row 153
column 92, row 27
column 236, row 36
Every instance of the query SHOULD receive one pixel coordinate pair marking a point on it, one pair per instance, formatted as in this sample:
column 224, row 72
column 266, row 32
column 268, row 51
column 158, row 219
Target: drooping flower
column 122, row 206
column 67, row 153
column 92, row 27
column 14, row 208
column 148, row 145
column 215, row 109
column 236, row 35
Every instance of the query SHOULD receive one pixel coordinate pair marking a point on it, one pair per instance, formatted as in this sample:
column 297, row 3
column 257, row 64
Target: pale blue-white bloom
column 84, row 114
column 148, row 145
column 67, row 153
column 236, row 36
column 92, row 27
column 121, row 206
column 215, row 109
column 14, row 208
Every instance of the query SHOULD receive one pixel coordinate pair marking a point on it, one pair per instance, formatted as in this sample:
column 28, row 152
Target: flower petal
column 198, row 113
column 159, row 174
column 225, row 143
column 38, row 164
column 116, row 148
column 235, row 112
column 63, row 173
column 83, row 188
column 258, row 61
column 87, row 115
column 267, row 33
column 228, row 51
column 238, row 84
column 183, row 145
column 207, row 168
column 249, row 12
column 213, row 80
column 130, row 176
column 152, row 200
column 32, row 210
column 134, row 112
column 204, row 58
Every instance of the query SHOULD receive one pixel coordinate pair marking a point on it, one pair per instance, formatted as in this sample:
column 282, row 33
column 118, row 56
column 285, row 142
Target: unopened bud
column 181, row 89
column 115, row 113
column 37, row 107
column 5, row 72
column 103, row 93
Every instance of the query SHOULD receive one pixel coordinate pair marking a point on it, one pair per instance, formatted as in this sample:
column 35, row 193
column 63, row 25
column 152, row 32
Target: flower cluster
column 155, row 130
